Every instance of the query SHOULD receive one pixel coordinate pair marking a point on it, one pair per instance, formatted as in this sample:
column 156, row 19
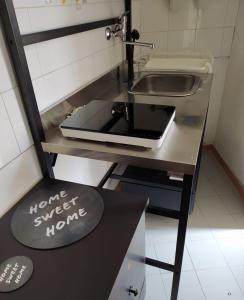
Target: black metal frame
column 181, row 216
column 20, row 66
column 16, row 43
column 37, row 37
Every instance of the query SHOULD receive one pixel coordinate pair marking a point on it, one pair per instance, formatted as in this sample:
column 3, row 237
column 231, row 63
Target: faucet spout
column 140, row 44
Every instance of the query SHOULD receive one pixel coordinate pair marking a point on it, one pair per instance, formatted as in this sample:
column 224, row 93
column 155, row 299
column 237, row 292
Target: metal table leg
column 181, row 215
column 182, row 226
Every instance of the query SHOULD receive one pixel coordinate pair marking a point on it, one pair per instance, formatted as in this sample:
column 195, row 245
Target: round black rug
column 14, row 273
column 57, row 214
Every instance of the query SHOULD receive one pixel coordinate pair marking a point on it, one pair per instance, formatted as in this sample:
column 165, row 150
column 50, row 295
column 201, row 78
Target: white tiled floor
column 213, row 266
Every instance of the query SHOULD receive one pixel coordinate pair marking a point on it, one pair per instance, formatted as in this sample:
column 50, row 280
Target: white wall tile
column 14, row 107
column 181, row 40
column 23, row 20
column 220, row 68
column 231, row 13
column 80, row 45
column 229, row 127
column 103, row 61
column 227, row 41
column 98, row 11
column 118, row 54
column 54, row 54
column 57, row 16
column 155, row 15
column 210, row 40
column 33, row 61
column 136, row 14
column 191, row 27
column 214, row 15
column 58, row 68
column 185, row 18
column 17, row 178
column 159, row 38
column 42, row 95
column 98, row 40
column 40, row 3
column 66, row 15
column 80, row 77
column 28, row 3
column 59, row 84
column 7, row 80
column 9, row 148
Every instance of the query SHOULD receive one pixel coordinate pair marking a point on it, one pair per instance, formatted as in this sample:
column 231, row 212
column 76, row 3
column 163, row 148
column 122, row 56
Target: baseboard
column 239, row 186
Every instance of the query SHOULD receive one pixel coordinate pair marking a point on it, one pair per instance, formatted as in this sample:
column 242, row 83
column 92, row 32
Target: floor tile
column 205, row 189
column 239, row 276
column 212, row 206
column 224, row 226
column 154, row 288
column 166, row 231
column 189, row 286
column 149, row 236
column 219, row 284
column 233, row 251
column 198, row 228
column 239, row 220
column 214, row 242
column 166, row 253
column 223, row 186
column 160, row 229
column 234, row 204
column 205, row 254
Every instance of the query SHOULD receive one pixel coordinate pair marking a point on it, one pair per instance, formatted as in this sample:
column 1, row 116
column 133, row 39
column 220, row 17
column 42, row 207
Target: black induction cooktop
column 120, row 122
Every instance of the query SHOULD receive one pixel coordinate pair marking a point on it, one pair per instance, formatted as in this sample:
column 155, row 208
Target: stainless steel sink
column 173, row 85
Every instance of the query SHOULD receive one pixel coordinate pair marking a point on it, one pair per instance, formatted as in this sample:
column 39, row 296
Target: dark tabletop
column 86, row 269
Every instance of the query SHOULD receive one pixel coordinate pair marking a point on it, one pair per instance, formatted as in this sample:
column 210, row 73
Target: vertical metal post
column 129, row 48
column 20, row 66
column 182, row 226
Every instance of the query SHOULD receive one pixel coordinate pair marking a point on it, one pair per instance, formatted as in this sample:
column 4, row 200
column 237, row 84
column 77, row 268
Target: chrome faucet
column 120, row 30
column 149, row 45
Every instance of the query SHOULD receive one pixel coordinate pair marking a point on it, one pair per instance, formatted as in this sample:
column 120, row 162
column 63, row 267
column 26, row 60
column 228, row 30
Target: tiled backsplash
column 189, row 28
column 57, row 66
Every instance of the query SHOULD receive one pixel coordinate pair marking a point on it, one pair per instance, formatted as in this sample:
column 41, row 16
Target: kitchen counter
column 180, row 149
column 101, row 266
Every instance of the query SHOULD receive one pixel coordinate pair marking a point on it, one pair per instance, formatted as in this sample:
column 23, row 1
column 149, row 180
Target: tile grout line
column 195, row 272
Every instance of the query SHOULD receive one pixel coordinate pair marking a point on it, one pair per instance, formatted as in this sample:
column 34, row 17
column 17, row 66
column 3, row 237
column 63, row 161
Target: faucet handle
column 124, row 14
column 135, row 35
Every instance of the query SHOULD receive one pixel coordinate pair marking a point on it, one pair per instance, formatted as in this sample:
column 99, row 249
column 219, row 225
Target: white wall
column 58, row 68
column 187, row 28
column 19, row 169
column 62, row 66
column 230, row 132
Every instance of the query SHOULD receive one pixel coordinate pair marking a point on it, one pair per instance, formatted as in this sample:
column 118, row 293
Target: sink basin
column 173, row 85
